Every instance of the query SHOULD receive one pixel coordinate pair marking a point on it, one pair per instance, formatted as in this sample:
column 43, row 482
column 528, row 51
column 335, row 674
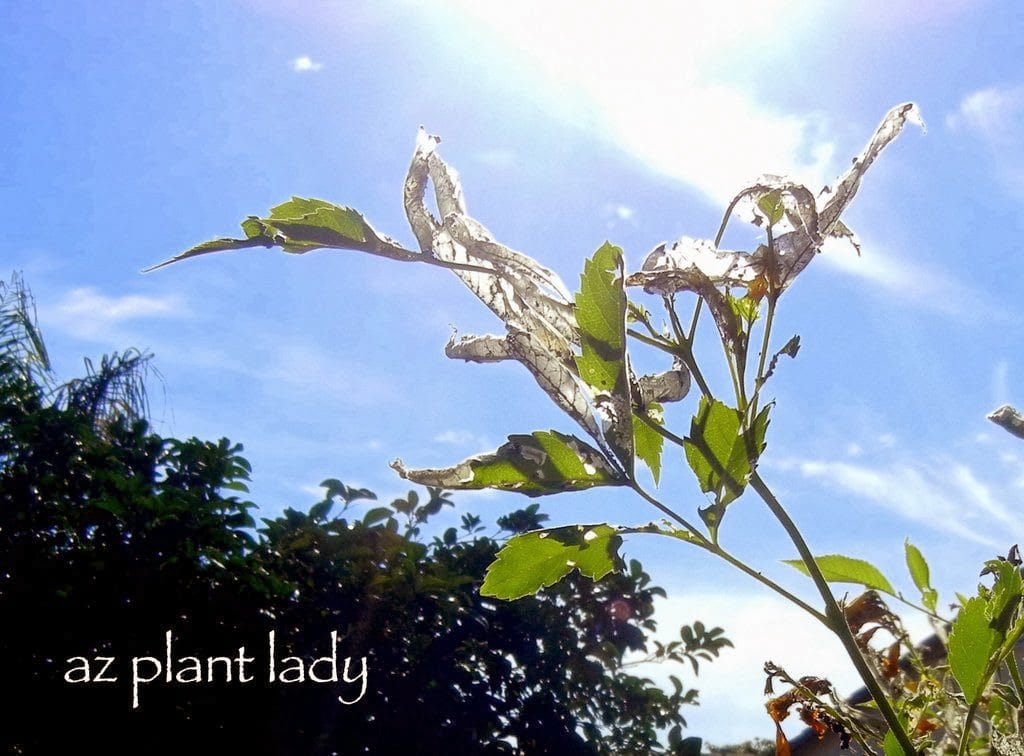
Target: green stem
column 965, row 736
column 717, row 550
column 762, row 360
column 690, row 528
column 1018, row 683
column 836, row 618
column 702, row 541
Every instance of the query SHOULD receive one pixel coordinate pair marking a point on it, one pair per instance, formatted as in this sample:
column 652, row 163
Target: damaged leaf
column 543, row 462
column 301, row 225
column 531, row 561
column 790, row 349
column 689, row 264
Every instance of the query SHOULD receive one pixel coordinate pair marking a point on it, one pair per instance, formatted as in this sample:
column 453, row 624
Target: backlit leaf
column 716, row 452
column 300, row 225
column 843, row 569
column 921, row 575
column 647, row 442
column 601, row 363
column 971, row 643
column 543, row 462
column 531, row 561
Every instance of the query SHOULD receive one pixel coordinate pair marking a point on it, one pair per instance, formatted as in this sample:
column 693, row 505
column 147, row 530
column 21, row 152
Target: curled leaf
column 543, row 462
column 806, row 221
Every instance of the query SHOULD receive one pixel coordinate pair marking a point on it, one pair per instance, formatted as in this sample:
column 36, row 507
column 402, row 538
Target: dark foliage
column 111, row 536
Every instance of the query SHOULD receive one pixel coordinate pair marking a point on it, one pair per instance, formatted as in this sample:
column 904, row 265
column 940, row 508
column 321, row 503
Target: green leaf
column 891, row 745
column 300, row 225
column 544, row 462
column 647, row 442
column 772, row 206
column 843, row 569
column 716, row 451
column 601, row 317
column 1005, row 597
column 531, row 561
column 377, row 514
column 921, row 575
column 971, row 643
column 744, row 308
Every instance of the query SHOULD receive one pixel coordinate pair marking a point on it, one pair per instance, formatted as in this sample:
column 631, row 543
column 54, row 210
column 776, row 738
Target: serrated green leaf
column 543, row 462
column 601, row 316
column 531, row 561
column 716, row 451
column 837, row 568
column 300, row 225
column 971, row 643
column 1005, row 597
column 647, row 442
column 214, row 245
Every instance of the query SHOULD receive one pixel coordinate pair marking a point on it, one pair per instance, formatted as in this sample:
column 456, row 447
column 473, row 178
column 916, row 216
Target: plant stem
column 690, row 528
column 836, row 618
column 965, row 736
column 703, row 542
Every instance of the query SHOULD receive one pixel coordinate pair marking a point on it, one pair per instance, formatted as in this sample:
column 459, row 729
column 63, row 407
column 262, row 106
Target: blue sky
column 132, row 131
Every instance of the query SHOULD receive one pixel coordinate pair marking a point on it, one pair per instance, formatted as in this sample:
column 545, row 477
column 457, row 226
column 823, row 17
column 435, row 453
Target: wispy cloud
column 995, row 117
column 306, row 369
column 460, row 438
column 497, row 158
column 305, row 63
column 993, row 113
column 946, row 497
column 88, row 314
column 927, row 287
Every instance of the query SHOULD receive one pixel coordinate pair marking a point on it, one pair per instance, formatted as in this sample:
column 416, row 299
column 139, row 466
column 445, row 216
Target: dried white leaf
column 689, row 264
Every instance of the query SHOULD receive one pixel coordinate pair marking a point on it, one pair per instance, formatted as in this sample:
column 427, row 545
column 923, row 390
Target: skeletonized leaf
column 543, row 462
column 531, row 561
column 671, row 268
column 837, row 568
column 790, row 349
column 1009, row 419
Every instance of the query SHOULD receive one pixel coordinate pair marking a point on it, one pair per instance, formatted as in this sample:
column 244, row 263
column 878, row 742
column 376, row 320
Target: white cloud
column 497, row 158
column 762, row 627
column 1001, row 383
column 88, row 314
column 460, row 438
column 305, row 63
column 307, row 370
column 926, row 287
column 947, row 497
column 641, row 78
column 994, row 114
